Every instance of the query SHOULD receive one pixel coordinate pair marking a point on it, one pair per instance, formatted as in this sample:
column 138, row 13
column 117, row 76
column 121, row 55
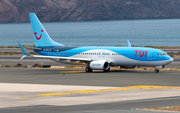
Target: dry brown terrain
column 12, row 11
column 172, row 108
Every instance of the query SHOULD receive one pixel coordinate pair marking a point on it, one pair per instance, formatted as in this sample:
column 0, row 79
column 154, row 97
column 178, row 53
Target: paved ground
column 114, row 107
column 115, row 78
column 7, row 60
column 100, row 92
column 171, row 50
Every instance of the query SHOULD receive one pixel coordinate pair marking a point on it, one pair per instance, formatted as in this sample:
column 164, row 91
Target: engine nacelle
column 99, row 65
column 129, row 67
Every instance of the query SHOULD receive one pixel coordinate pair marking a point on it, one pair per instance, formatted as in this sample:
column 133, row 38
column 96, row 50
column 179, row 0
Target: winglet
column 129, row 44
column 23, row 51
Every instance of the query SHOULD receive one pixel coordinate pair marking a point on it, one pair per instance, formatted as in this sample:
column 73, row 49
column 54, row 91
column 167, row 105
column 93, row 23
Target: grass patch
column 171, row 108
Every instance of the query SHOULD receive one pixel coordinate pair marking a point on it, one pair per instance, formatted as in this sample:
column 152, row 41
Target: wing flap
column 63, row 58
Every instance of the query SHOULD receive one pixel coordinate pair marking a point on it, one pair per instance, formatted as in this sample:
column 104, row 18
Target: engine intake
column 99, row 65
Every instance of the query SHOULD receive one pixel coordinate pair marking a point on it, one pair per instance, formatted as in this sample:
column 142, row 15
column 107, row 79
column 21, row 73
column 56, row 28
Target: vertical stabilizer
column 41, row 37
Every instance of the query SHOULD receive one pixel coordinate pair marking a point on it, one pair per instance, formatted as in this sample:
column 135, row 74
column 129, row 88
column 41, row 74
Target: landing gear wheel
column 88, row 69
column 156, row 70
column 107, row 70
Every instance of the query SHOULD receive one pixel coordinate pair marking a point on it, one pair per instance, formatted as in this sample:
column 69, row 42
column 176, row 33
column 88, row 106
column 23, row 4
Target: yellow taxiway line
column 136, row 88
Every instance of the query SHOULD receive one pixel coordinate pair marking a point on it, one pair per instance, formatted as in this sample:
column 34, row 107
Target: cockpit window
column 161, row 54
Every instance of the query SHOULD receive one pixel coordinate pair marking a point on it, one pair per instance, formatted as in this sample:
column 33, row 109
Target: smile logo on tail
column 38, row 38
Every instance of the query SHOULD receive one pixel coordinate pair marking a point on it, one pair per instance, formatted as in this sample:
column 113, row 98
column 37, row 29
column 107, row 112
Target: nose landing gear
column 157, row 68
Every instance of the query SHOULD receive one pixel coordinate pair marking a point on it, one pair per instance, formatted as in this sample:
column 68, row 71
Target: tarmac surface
column 114, row 107
column 118, row 91
column 74, row 91
column 114, row 78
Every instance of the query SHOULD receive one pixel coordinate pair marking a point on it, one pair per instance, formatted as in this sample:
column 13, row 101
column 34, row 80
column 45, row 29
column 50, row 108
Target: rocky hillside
column 12, row 11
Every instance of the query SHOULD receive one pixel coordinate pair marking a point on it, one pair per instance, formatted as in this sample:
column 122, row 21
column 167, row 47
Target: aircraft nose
column 170, row 60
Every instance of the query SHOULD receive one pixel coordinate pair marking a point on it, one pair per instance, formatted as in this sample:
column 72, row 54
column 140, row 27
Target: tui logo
column 141, row 53
column 38, row 38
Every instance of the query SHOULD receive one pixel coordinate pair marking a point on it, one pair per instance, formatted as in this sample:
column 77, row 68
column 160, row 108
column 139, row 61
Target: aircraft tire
column 107, row 70
column 88, row 69
column 156, row 70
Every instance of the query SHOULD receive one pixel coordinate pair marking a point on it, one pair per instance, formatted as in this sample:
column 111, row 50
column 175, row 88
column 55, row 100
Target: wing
column 57, row 58
column 63, row 58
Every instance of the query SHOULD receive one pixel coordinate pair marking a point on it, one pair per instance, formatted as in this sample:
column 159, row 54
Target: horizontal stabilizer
column 23, row 51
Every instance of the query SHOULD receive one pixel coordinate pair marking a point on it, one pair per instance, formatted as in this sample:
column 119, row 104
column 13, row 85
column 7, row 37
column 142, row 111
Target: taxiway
column 74, row 91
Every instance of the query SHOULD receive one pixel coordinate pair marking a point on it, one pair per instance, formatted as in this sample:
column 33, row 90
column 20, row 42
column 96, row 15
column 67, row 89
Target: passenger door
column 150, row 55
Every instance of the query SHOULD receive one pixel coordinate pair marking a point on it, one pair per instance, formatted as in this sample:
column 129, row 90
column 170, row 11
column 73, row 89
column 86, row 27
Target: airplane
column 94, row 57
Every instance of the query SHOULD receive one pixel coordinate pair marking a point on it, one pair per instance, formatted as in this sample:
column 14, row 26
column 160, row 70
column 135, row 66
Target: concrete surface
column 114, row 78
column 74, row 91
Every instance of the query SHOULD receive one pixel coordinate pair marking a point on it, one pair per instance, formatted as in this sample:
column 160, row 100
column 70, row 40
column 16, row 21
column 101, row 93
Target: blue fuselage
column 126, row 56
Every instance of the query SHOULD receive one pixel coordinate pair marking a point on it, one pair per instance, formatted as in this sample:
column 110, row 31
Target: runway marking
column 155, row 87
column 135, row 88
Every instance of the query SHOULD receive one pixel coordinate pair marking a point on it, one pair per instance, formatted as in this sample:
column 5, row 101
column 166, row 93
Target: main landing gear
column 107, row 70
column 88, row 69
column 156, row 70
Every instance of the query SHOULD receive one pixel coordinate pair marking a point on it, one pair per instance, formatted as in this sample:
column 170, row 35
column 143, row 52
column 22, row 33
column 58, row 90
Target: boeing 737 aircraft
column 95, row 57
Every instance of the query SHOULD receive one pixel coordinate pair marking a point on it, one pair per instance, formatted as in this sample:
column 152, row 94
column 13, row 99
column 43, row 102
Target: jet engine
column 99, row 65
